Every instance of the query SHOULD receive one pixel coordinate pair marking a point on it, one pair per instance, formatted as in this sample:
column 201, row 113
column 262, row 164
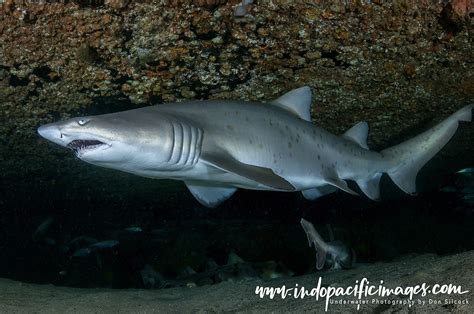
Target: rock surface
column 394, row 64
column 240, row 296
column 399, row 65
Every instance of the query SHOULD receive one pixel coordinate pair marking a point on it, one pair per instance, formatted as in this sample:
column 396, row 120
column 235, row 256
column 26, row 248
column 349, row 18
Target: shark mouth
column 79, row 146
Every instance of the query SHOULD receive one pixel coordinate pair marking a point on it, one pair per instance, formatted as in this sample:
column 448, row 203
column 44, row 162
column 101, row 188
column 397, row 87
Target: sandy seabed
column 240, row 296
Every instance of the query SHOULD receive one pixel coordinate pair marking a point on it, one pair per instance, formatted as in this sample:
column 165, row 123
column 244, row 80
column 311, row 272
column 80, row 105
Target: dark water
column 75, row 200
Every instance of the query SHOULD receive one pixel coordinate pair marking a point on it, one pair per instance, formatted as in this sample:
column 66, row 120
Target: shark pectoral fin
column 314, row 193
column 358, row 134
column 297, row 101
column 319, row 245
column 210, row 196
column 321, row 255
column 341, row 184
column 371, row 186
column 258, row 174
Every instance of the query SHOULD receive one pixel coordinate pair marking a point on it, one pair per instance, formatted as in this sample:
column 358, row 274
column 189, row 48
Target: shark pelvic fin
column 341, row 184
column 297, row 101
column 314, row 193
column 358, row 134
column 210, row 196
column 371, row 186
column 258, row 174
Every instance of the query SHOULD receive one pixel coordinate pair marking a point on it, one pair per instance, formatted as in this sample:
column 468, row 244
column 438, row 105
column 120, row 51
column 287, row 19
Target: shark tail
column 407, row 158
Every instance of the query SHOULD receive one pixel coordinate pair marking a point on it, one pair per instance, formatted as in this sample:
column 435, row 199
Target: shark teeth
column 78, row 145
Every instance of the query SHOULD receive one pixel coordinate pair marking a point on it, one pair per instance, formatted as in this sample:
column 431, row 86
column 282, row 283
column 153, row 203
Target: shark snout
column 52, row 133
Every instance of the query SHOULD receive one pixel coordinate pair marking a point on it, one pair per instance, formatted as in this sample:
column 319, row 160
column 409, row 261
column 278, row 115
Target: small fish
column 82, row 252
column 159, row 232
column 133, row 229
column 104, row 244
column 466, row 170
column 334, row 253
column 82, row 241
column 448, row 189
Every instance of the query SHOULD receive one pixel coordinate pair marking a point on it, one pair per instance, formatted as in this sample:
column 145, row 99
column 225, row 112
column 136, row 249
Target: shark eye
column 82, row 121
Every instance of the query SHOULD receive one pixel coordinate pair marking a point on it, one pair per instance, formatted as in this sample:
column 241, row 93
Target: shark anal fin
column 371, row 186
column 341, row 184
column 358, row 134
column 297, row 101
column 210, row 196
column 258, row 174
column 315, row 193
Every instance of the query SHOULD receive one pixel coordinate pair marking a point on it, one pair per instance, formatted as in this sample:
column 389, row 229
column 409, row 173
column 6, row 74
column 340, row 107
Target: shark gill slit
column 176, row 144
column 173, row 142
column 179, row 144
column 184, row 145
column 187, row 143
column 191, row 148
column 197, row 145
column 194, row 146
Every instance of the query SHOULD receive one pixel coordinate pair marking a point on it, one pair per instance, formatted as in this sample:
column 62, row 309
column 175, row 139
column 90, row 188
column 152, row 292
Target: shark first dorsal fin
column 358, row 134
column 210, row 196
column 297, row 101
column 262, row 175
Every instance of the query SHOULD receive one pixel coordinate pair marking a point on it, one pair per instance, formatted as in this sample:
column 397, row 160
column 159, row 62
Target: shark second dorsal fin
column 297, row 101
column 262, row 175
column 210, row 196
column 358, row 134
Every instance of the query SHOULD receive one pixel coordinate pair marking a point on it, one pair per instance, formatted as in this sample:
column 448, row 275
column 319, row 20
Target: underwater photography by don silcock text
column 212, row 156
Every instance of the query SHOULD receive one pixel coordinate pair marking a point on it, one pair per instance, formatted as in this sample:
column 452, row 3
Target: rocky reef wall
column 393, row 63
column 396, row 64
column 399, row 65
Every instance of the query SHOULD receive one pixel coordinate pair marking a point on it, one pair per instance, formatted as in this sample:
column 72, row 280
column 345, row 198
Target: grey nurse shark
column 217, row 146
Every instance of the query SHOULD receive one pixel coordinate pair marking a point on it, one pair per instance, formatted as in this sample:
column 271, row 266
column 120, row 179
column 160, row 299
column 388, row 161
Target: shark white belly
column 216, row 147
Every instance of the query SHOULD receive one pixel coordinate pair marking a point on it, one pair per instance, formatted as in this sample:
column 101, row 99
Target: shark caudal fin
column 407, row 158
